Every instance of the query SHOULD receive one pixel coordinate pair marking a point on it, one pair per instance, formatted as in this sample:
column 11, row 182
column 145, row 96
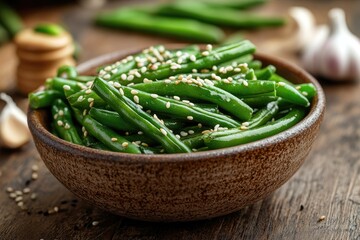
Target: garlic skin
column 334, row 52
column 14, row 131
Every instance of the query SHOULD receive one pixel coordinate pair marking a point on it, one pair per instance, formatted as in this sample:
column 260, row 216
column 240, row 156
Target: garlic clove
column 14, row 131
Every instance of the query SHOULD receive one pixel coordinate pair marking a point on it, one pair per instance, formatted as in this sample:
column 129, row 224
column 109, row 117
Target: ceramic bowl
column 180, row 187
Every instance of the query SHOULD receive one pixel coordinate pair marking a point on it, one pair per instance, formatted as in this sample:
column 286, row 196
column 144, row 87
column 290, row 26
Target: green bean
column 277, row 78
column 69, row 71
column 206, row 59
column 290, row 94
column 242, row 137
column 219, row 16
column 44, row 98
column 238, row 4
column 265, row 73
column 245, row 88
column 143, row 121
column 213, row 94
column 177, row 27
column 10, row 19
column 114, row 120
column 258, row 101
column 57, row 83
column 63, row 122
column 49, row 29
column 255, row 64
column 108, row 137
column 307, row 89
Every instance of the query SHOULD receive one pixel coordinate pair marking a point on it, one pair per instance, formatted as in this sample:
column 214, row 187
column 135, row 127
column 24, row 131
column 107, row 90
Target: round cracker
column 30, row 40
column 45, row 55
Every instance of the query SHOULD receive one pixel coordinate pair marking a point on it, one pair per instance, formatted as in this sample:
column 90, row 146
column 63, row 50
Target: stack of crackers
column 40, row 55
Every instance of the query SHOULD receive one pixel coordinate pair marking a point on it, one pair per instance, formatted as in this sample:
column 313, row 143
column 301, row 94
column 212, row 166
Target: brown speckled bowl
column 180, row 187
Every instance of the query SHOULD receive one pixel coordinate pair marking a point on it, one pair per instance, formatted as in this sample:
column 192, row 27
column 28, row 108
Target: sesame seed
column 80, row 98
column 94, row 223
column 131, row 84
column 153, row 95
column 304, row 93
column 163, row 131
column 194, row 70
column 298, row 87
column 60, row 123
column 147, row 80
column 137, row 142
column 246, row 124
column 67, row 126
column 193, row 58
column 114, row 139
column 168, row 104
column 167, row 81
column 90, row 100
column 134, row 92
column 20, row 204
column 34, row 176
column 66, row 87
column 144, row 144
column 216, row 127
column 26, row 190
column 85, row 134
column 136, row 99
column 18, row 199
column 209, row 47
column 56, row 209
column 243, row 127
column 322, row 218
column 281, row 84
column 205, row 53
column 183, row 134
column 177, row 136
column 56, row 116
column 102, row 72
column 33, row 196
column 114, row 71
column 88, row 91
column 117, row 85
column 245, row 83
column 91, row 104
column 185, row 101
column 177, row 98
column 191, row 132
column 9, row 189
column 121, row 91
column 199, row 125
column 190, row 118
column 123, row 76
column 107, row 68
column 130, row 77
column 125, row 144
column 140, row 133
column 106, row 76
column 12, row 195
column 172, row 78
column 84, row 112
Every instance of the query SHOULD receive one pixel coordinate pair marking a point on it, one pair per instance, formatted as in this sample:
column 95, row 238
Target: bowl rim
column 316, row 112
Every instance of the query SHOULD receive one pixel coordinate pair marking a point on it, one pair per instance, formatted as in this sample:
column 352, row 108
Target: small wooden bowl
column 180, row 187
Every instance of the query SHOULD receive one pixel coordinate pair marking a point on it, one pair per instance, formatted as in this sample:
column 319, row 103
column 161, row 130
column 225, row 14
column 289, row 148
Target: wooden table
column 328, row 184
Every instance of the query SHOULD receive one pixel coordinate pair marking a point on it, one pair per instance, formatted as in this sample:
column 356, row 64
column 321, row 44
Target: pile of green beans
column 197, row 21
column 174, row 101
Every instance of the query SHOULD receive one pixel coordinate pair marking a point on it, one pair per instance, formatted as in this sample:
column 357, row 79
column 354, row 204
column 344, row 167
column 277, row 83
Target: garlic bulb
column 14, row 131
column 334, row 52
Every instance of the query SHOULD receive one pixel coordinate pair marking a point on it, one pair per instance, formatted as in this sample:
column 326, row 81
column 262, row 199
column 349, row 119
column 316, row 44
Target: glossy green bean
column 69, row 72
column 43, row 98
column 49, row 29
column 290, row 94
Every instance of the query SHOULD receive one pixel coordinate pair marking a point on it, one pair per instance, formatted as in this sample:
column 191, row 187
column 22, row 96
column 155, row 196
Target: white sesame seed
column 102, row 72
column 80, row 98
column 194, row 70
column 114, row 71
column 144, row 144
column 88, row 91
column 66, row 87
column 33, row 196
column 18, row 199
column 190, row 118
column 167, row 81
column 147, row 80
column 199, row 125
column 130, row 77
column 137, row 142
column 107, row 68
column 168, row 104
column 125, row 144
column 121, row 91
column 246, row 124
column 183, row 134
column 90, row 100
column 172, row 78
column 243, row 127
column 191, row 132
column 192, row 58
column 281, row 84
column 245, row 83
column 12, row 195
column 60, row 123
column 140, row 133
column 85, row 134
column 91, row 104
column 34, row 176
column 298, row 87
column 136, row 99
column 94, row 223
column 209, row 47
column 67, row 126
column 106, row 76
column 114, row 139
column 304, row 93
column 163, row 131
column 20, row 204
column 117, row 85
column 26, row 190
column 84, row 112
column 177, row 136
column 134, row 92
column 177, row 98
column 153, row 95
column 123, row 76
column 205, row 53
column 56, row 209
column 9, row 189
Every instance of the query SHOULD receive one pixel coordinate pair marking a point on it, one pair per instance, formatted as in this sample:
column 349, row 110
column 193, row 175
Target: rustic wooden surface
column 328, row 184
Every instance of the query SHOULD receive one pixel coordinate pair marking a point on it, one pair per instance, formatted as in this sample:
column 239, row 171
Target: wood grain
column 328, row 184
